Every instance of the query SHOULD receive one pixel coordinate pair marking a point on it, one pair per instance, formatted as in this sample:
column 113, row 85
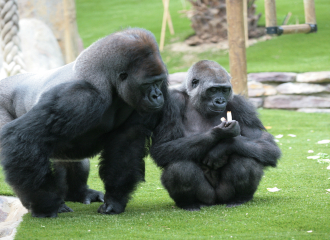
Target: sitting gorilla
column 107, row 101
column 207, row 162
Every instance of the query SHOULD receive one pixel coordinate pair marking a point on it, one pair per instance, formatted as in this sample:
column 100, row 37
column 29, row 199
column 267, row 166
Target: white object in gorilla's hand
column 229, row 117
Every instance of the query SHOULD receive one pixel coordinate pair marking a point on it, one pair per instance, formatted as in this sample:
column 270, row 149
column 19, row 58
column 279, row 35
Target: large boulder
column 60, row 17
column 40, row 48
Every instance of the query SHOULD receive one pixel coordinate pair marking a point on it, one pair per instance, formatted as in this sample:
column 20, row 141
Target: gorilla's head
column 208, row 86
column 131, row 65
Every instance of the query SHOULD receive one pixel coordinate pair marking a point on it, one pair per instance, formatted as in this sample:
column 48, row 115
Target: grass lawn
column 290, row 53
column 302, row 204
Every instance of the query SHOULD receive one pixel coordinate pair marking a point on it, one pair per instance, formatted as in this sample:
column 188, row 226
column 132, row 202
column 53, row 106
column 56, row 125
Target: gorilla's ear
column 123, row 76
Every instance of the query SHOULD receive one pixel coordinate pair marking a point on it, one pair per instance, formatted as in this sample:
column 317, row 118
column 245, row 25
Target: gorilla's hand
column 93, row 196
column 216, row 158
column 227, row 130
column 62, row 209
column 112, row 206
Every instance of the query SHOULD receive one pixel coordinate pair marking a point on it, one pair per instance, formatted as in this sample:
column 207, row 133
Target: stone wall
column 307, row 92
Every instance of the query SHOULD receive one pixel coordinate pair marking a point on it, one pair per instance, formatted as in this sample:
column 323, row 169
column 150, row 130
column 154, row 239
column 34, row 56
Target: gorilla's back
column 24, row 90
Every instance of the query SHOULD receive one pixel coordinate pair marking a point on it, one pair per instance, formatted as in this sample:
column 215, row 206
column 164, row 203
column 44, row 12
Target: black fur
column 204, row 161
column 107, row 101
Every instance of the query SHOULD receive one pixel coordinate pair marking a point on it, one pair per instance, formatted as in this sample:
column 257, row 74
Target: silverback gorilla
column 204, row 161
column 106, row 101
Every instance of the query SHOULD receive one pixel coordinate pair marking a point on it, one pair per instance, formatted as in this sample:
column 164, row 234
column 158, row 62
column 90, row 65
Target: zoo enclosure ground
column 300, row 206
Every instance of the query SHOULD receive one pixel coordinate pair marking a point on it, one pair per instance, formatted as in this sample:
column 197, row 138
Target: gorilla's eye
column 194, row 83
column 123, row 76
column 213, row 90
column 225, row 90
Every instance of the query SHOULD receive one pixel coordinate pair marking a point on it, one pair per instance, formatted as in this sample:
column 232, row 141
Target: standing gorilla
column 107, row 101
column 205, row 162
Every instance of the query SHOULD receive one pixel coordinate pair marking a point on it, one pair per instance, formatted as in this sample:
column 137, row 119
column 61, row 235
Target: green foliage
column 301, row 205
column 290, row 53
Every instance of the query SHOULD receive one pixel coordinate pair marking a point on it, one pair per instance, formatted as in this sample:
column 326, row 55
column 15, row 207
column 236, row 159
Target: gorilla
column 107, row 101
column 206, row 161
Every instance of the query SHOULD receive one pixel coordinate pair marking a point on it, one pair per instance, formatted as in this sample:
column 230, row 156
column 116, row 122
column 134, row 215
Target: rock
column 40, row 48
column 177, row 78
column 60, row 17
column 301, row 88
column 293, row 102
column 314, row 77
column 272, row 77
column 255, row 89
column 11, row 211
column 257, row 102
column 269, row 90
column 314, row 110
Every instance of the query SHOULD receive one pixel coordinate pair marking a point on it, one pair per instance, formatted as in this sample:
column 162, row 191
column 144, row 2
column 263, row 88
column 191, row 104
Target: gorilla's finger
column 64, row 208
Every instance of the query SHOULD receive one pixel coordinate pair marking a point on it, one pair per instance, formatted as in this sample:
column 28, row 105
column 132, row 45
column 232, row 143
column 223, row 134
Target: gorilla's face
column 142, row 83
column 209, row 88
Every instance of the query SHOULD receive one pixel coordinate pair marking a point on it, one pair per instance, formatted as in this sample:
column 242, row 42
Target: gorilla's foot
column 64, row 208
column 44, row 215
column 112, row 208
column 239, row 201
column 190, row 207
column 93, row 196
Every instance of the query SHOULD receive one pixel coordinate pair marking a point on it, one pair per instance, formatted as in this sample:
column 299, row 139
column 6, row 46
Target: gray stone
column 269, row 90
column 300, row 88
column 255, row 89
column 314, row 110
column 314, row 77
column 296, row 101
column 40, row 48
column 177, row 78
column 257, row 102
column 60, row 17
column 11, row 210
column 272, row 77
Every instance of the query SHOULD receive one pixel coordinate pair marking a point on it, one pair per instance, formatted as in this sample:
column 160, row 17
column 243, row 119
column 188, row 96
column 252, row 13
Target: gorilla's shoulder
column 244, row 112
column 178, row 97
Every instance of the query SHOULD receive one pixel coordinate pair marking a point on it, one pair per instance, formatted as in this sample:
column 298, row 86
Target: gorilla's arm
column 59, row 116
column 169, row 143
column 122, row 165
column 254, row 141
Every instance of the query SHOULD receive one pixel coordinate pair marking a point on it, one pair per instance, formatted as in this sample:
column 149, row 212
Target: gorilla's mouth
column 218, row 110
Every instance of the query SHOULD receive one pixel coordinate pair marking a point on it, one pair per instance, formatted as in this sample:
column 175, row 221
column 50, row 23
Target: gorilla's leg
column 187, row 186
column 45, row 200
column 121, row 168
column 76, row 178
column 239, row 180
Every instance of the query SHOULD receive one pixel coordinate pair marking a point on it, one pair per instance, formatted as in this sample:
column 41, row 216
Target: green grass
column 290, row 53
column 301, row 205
